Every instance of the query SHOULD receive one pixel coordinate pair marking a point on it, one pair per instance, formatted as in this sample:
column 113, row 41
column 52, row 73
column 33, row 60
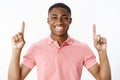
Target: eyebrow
column 56, row 15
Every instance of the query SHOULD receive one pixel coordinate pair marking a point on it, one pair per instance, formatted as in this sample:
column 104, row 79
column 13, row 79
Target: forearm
column 14, row 67
column 105, row 72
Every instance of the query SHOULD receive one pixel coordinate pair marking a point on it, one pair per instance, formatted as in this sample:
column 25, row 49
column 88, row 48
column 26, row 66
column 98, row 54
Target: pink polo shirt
column 59, row 63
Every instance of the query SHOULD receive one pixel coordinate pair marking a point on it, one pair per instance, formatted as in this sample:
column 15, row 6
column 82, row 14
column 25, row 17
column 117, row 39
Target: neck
column 59, row 39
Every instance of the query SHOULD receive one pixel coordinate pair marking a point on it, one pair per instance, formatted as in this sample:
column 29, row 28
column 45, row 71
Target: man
column 59, row 57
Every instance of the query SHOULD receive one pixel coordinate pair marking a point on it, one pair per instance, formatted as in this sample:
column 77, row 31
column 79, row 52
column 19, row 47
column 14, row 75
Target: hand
column 18, row 40
column 100, row 43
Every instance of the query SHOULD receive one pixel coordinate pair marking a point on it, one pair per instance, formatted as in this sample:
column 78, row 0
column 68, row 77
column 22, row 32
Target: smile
column 59, row 28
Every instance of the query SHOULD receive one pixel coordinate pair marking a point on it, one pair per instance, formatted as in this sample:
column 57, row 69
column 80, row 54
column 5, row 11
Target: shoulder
column 39, row 43
column 79, row 43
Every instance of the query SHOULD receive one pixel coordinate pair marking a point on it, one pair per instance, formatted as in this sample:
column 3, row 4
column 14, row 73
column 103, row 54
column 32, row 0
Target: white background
column 104, row 13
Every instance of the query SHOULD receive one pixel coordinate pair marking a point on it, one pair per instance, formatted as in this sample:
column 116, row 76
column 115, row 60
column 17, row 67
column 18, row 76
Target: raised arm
column 15, row 71
column 101, row 71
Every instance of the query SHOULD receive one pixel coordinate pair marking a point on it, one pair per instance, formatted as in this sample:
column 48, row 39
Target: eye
column 65, row 18
column 54, row 18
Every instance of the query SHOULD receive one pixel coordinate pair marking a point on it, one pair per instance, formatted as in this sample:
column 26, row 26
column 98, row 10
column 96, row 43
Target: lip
column 59, row 28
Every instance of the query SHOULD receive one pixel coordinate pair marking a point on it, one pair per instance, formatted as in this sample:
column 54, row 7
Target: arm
column 15, row 71
column 100, row 71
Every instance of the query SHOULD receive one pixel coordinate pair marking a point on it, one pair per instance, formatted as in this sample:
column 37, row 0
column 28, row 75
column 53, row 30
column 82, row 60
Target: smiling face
column 59, row 20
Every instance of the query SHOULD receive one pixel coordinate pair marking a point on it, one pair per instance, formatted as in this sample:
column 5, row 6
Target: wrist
column 102, row 51
column 16, row 50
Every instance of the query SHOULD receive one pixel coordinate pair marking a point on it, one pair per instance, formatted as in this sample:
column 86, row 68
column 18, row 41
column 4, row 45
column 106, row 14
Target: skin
column 100, row 71
column 59, row 17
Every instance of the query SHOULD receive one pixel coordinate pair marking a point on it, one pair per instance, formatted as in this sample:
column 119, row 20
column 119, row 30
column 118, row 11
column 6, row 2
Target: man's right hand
column 18, row 40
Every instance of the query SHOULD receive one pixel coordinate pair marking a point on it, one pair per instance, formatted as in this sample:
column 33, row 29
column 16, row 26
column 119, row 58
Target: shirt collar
column 69, row 40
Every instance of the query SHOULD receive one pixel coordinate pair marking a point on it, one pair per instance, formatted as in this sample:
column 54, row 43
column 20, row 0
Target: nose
column 59, row 21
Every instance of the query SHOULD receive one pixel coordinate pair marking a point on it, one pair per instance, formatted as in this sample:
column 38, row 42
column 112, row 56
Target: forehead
column 59, row 11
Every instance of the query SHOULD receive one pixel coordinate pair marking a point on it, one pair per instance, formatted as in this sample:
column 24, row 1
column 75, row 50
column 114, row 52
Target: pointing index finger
column 94, row 30
column 23, row 27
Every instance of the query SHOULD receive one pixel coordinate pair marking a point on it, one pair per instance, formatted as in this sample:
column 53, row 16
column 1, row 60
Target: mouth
column 59, row 28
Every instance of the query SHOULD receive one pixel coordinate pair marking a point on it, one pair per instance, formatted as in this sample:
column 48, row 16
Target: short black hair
column 60, row 5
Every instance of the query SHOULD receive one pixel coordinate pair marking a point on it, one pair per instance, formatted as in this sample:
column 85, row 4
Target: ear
column 48, row 20
column 70, row 20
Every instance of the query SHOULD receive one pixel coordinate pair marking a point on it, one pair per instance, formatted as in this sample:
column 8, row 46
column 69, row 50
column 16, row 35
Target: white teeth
column 59, row 28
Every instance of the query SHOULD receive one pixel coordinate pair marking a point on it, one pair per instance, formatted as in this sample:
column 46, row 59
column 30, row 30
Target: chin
column 61, row 35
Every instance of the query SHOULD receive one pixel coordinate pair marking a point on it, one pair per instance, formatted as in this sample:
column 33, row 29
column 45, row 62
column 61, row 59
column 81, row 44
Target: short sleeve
column 89, row 57
column 28, row 58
